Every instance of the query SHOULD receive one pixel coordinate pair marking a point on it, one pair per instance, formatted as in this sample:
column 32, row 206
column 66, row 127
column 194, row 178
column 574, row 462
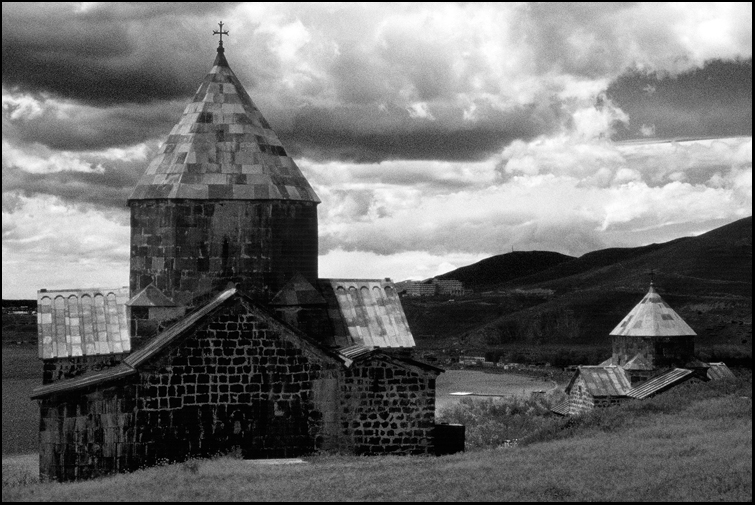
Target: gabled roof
column 561, row 408
column 660, row 383
column 602, row 380
column 171, row 333
column 82, row 322
column 638, row 363
column 298, row 291
column 652, row 317
column 174, row 333
column 366, row 312
column 223, row 148
column 718, row 371
column 356, row 353
column 151, row 297
column 87, row 379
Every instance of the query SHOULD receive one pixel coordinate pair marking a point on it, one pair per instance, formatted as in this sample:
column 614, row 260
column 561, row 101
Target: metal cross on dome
column 651, row 273
column 220, row 32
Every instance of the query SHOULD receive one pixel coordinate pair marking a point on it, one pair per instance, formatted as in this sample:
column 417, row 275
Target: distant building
column 449, row 287
column 472, row 360
column 421, row 289
column 653, row 351
column 446, row 287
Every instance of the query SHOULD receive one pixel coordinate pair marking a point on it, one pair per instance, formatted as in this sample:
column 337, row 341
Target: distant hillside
column 505, row 267
column 707, row 279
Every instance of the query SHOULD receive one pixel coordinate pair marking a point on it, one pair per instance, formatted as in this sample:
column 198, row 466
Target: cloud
column 104, row 179
column 105, row 53
column 47, row 244
column 712, row 100
column 398, row 267
column 362, row 82
column 67, row 125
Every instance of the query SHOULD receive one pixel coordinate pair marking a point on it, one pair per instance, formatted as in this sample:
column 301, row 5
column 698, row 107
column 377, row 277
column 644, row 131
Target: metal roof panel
column 659, row 383
column 366, row 312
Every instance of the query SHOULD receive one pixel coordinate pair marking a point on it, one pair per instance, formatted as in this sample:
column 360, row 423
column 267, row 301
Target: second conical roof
column 652, row 317
column 222, row 148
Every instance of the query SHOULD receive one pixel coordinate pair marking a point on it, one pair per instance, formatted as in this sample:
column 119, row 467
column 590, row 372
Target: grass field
column 22, row 372
column 694, row 444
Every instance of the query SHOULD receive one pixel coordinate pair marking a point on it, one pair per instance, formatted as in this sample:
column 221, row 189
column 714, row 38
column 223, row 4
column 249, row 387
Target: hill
column 707, row 279
column 505, row 267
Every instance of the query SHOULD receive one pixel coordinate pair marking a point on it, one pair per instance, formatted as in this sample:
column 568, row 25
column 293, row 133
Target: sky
column 436, row 135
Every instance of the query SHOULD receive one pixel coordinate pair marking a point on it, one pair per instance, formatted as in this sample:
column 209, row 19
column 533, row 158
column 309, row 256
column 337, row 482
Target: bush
column 495, row 423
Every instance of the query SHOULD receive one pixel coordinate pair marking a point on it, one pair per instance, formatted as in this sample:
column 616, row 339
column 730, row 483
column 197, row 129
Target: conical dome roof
column 652, row 317
column 223, row 149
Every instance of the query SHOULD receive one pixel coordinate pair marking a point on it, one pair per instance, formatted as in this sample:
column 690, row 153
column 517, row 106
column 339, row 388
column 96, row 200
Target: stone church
column 226, row 339
column 653, row 351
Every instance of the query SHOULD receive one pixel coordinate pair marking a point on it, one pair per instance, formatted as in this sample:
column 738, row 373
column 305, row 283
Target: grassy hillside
column 693, row 443
column 505, row 267
column 706, row 279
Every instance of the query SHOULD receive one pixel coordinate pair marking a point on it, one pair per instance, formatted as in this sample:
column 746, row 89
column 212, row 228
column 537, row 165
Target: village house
column 226, row 339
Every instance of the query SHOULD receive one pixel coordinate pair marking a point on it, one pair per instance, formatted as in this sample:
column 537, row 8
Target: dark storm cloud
column 366, row 134
column 107, row 188
column 92, row 128
column 111, row 53
column 714, row 101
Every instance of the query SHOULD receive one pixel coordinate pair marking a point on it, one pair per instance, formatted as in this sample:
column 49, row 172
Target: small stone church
column 653, row 351
column 226, row 339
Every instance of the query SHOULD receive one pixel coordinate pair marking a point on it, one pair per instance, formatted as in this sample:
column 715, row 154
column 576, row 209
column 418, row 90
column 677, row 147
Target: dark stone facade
column 660, row 352
column 192, row 247
column 237, row 380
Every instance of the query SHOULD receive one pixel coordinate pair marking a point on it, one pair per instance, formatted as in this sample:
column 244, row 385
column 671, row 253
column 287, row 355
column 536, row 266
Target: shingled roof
column 82, row 322
column 652, row 317
column 223, row 148
column 366, row 312
column 602, row 380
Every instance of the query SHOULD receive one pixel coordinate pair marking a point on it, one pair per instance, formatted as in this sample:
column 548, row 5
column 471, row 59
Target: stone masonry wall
column 187, row 248
column 239, row 381
column 659, row 351
column 236, row 383
column 580, row 399
column 388, row 408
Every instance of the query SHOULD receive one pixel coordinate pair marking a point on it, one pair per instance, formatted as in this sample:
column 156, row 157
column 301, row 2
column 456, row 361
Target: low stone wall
column 389, row 408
